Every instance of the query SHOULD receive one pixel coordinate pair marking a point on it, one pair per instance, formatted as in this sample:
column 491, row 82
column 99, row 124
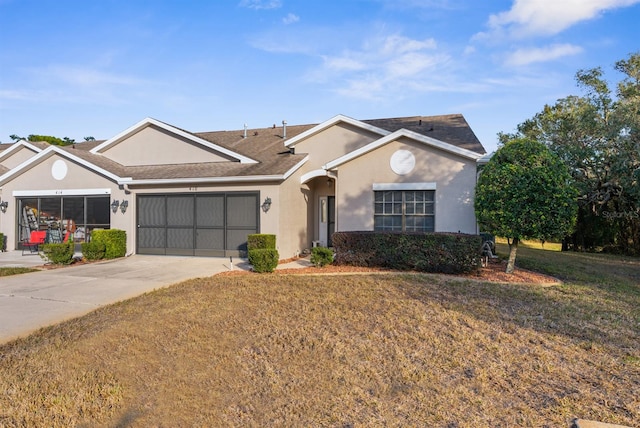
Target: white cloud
column 343, row 63
column 547, row 17
column 290, row 19
column 548, row 53
column 384, row 64
column 261, row 4
column 399, row 44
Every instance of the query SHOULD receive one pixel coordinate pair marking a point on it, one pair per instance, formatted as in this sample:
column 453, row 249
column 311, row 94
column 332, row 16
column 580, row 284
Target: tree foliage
column 66, row 141
column 525, row 192
column 597, row 135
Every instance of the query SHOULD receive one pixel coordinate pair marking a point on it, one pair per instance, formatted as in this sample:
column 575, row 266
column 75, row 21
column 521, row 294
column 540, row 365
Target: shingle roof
column 266, row 146
column 450, row 128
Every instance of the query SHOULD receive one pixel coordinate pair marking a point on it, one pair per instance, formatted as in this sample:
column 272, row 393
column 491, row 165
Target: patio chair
column 36, row 239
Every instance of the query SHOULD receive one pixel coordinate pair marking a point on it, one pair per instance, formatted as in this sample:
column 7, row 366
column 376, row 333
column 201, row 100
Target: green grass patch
column 364, row 350
column 7, row 271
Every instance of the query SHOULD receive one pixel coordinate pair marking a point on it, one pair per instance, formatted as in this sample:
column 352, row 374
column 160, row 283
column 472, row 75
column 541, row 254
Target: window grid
column 404, row 210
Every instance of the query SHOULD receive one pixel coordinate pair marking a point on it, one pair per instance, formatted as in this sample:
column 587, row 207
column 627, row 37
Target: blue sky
column 94, row 68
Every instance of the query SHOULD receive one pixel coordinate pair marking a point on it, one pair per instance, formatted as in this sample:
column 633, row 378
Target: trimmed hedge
column 59, row 254
column 263, row 259
column 261, row 241
column 3, row 242
column 114, row 240
column 425, row 252
column 321, row 256
column 93, row 250
column 262, row 252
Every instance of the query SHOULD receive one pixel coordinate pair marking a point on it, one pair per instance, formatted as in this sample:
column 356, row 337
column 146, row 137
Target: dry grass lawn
column 343, row 351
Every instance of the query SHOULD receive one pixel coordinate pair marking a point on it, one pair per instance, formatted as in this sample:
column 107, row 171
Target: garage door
column 207, row 224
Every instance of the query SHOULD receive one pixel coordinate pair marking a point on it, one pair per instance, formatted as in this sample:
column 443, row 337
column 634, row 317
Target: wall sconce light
column 266, row 205
column 123, row 206
column 3, row 206
column 114, row 205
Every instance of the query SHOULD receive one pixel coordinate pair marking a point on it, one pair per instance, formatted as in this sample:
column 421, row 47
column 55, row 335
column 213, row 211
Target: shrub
column 59, row 254
column 114, row 240
column 263, row 259
column 321, row 256
column 261, row 241
column 425, row 252
column 93, row 250
column 3, row 242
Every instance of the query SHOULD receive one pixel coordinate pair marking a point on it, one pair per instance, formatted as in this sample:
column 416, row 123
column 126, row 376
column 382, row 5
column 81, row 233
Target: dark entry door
column 331, row 223
column 208, row 224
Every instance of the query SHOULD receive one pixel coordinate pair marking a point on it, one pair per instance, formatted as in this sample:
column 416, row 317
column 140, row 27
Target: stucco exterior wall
column 332, row 143
column 155, row 146
column 295, row 217
column 454, row 176
column 17, row 157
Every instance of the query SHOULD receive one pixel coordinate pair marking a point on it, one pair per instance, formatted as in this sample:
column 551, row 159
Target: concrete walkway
column 34, row 300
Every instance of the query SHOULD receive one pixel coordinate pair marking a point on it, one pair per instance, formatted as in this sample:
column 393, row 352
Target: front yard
column 359, row 350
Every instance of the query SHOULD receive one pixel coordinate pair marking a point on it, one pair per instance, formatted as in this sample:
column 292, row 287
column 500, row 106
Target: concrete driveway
column 34, row 300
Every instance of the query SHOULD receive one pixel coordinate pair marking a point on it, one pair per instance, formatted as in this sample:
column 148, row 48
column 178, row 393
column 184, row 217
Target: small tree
column 525, row 192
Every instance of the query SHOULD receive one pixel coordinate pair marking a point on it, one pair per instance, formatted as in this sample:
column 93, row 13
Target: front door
column 327, row 220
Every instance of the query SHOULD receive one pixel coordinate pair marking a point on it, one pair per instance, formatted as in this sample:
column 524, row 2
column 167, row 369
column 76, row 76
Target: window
column 404, row 210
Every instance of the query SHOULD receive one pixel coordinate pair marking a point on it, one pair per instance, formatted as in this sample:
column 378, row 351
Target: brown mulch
column 494, row 272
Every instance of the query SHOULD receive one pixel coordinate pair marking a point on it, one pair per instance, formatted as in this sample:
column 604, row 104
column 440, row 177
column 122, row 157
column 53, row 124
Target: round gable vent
column 59, row 170
column 402, row 162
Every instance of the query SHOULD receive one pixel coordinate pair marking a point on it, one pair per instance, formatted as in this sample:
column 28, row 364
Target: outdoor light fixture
column 114, row 205
column 266, row 204
column 3, row 206
column 123, row 206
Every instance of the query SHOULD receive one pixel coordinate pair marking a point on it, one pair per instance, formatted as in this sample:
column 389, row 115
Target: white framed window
column 404, row 210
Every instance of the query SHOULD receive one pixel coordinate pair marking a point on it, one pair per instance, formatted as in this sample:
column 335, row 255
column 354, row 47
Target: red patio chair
column 36, row 239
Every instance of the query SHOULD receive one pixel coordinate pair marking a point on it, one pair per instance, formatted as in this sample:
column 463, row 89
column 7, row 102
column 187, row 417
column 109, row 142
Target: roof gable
column 51, row 151
column 428, row 141
column 183, row 146
column 16, row 147
column 331, row 122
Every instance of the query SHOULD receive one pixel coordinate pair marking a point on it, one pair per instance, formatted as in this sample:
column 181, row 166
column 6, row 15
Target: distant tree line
column 597, row 136
column 66, row 141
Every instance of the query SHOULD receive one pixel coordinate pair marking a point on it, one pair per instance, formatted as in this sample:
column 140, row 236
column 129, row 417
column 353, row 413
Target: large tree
column 525, row 192
column 597, row 135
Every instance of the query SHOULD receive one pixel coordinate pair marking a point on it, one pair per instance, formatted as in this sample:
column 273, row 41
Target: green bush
column 114, row 240
column 3, row 242
column 321, row 256
column 263, row 259
column 59, row 254
column 261, row 241
column 424, row 252
column 93, row 250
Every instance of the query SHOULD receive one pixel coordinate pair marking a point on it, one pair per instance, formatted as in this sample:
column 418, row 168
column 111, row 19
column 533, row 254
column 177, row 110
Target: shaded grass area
column 366, row 350
column 7, row 271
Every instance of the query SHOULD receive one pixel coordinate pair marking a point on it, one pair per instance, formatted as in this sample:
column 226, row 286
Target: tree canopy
column 597, row 135
column 66, row 141
column 525, row 192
